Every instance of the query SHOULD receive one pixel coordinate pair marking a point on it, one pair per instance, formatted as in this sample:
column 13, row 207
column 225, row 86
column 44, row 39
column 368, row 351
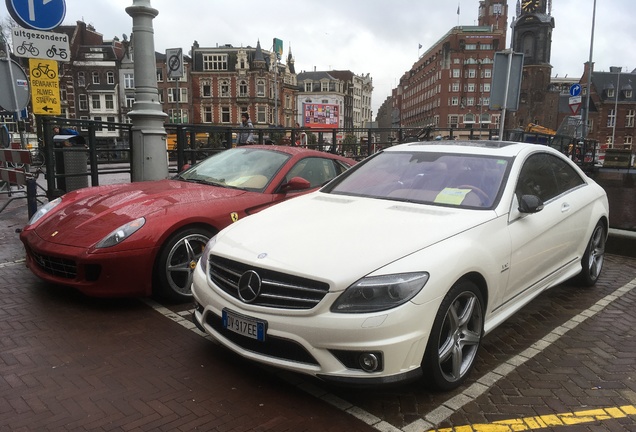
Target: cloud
column 374, row 36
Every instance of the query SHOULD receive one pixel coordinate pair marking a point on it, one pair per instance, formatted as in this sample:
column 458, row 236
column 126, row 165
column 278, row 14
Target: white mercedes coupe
column 398, row 268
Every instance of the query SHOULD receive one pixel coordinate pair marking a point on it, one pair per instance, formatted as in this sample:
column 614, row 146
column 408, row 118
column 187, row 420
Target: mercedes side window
column 537, row 178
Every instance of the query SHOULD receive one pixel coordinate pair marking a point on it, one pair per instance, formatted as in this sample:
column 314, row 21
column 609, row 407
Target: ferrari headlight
column 203, row 261
column 39, row 214
column 121, row 233
column 378, row 293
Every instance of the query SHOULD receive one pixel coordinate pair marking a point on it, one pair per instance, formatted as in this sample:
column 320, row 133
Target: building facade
column 450, row 84
column 89, row 82
column 532, row 36
column 612, row 107
column 227, row 81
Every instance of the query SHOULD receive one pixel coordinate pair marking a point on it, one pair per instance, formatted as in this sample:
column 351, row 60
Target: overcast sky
column 379, row 37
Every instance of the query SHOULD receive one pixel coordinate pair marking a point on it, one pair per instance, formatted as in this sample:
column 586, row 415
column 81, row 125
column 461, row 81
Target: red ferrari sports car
column 138, row 239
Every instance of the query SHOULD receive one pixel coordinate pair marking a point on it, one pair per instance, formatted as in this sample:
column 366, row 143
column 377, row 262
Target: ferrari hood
column 85, row 216
column 315, row 234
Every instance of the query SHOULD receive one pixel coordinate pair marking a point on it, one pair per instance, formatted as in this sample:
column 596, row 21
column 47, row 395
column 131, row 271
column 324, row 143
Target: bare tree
column 5, row 33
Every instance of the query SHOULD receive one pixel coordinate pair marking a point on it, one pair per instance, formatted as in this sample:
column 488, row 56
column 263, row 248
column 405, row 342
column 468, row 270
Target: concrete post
column 149, row 155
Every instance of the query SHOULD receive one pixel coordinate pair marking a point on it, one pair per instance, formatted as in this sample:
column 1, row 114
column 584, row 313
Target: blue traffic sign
column 575, row 89
column 37, row 14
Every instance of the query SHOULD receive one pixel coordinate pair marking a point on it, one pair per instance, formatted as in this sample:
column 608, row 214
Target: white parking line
column 450, row 406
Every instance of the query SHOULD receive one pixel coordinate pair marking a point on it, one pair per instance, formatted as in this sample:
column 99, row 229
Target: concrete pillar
column 149, row 156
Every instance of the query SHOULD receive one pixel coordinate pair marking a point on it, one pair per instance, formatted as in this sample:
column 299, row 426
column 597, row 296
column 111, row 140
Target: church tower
column 532, row 36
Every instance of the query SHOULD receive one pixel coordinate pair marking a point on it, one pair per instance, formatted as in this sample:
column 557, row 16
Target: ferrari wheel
column 176, row 263
column 592, row 261
column 455, row 337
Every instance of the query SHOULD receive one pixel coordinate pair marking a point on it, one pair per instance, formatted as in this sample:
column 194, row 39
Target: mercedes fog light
column 369, row 362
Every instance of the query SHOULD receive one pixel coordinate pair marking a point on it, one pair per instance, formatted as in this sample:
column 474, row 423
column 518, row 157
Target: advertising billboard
column 321, row 115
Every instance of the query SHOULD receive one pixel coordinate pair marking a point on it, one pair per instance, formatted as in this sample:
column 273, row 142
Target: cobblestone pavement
column 68, row 362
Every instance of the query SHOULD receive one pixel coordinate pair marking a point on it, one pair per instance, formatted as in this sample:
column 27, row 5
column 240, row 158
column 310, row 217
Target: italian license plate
column 244, row 325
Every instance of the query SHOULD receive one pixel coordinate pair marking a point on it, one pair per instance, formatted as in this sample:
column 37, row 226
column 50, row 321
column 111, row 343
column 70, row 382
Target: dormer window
column 610, row 92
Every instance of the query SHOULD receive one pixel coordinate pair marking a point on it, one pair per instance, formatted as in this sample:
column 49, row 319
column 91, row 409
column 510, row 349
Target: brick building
column 227, row 81
column 449, row 86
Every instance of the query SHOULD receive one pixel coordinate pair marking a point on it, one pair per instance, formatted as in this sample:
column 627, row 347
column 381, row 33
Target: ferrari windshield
column 242, row 168
column 463, row 180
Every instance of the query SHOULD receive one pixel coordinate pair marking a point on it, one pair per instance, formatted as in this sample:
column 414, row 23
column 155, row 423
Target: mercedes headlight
column 203, row 261
column 378, row 293
column 39, row 214
column 121, row 233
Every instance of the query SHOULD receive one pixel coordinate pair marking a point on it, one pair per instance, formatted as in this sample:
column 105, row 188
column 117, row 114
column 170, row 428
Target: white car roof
column 498, row 148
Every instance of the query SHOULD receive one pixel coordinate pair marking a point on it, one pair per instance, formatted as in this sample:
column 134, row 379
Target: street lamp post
column 589, row 77
column 149, row 157
column 617, row 90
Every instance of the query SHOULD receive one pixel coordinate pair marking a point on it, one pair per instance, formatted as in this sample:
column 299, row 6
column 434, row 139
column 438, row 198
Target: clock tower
column 532, row 36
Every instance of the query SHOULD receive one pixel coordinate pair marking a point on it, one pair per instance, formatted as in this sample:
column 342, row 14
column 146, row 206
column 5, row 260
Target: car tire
column 593, row 258
column 455, row 337
column 176, row 262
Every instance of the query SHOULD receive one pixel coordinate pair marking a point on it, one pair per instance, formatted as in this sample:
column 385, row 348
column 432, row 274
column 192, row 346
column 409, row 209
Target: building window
column 628, row 141
column 111, row 126
column 471, row 47
column 161, row 97
column 81, row 79
column 85, row 119
column 470, row 101
column 629, row 118
column 486, row 101
column 98, row 127
column 260, row 88
column 130, row 100
column 628, row 94
column 214, row 61
column 159, row 75
column 324, row 86
column 611, row 118
column 83, row 102
column 110, row 77
column 472, row 73
column 206, row 90
column 177, row 96
column 178, row 116
column 261, row 114
column 454, row 101
column 610, row 92
column 453, row 121
column 308, row 86
column 225, row 114
column 487, row 73
column 455, row 87
column 457, row 73
column 129, row 81
column 109, row 101
column 224, row 90
column 487, row 87
column 95, row 102
column 469, row 119
column 242, row 89
column 471, row 87
column 95, row 77
column 207, row 114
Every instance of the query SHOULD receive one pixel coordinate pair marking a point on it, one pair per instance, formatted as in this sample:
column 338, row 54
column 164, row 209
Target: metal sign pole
column 15, row 95
column 505, row 99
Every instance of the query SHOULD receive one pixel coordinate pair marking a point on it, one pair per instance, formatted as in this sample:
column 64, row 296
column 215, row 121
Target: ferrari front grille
column 277, row 290
column 60, row 267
